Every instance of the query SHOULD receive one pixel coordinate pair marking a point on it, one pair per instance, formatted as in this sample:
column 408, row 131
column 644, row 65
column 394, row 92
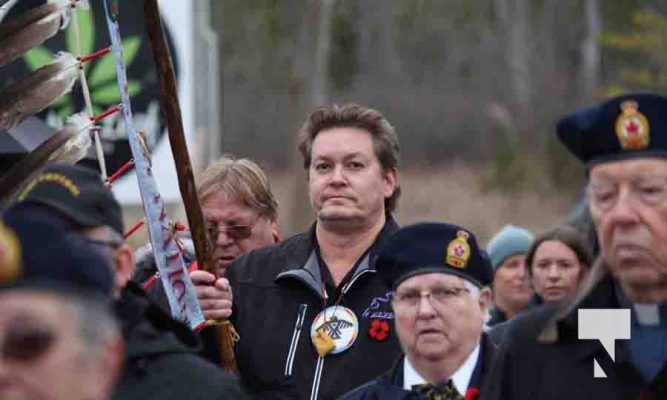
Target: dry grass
column 455, row 194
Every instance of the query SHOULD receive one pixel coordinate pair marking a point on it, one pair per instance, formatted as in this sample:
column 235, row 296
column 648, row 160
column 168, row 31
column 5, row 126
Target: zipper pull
column 301, row 316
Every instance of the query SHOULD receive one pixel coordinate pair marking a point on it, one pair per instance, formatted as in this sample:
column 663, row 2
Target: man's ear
column 390, row 181
column 123, row 264
column 273, row 223
column 485, row 299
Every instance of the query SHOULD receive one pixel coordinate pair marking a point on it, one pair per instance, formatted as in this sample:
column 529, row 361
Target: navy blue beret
column 632, row 125
column 53, row 259
column 433, row 247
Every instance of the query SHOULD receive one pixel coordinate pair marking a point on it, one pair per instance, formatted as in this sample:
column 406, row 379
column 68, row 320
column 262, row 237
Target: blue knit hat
column 510, row 241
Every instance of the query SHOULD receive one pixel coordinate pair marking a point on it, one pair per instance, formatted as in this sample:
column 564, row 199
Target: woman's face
column 556, row 271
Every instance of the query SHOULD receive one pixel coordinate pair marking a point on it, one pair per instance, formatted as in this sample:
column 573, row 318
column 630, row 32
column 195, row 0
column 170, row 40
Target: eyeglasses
column 234, row 232
column 648, row 190
column 102, row 243
column 438, row 296
column 23, row 343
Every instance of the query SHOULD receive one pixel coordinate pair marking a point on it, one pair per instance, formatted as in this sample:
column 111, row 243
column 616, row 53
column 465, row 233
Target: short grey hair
column 475, row 292
column 472, row 288
column 113, row 235
column 96, row 321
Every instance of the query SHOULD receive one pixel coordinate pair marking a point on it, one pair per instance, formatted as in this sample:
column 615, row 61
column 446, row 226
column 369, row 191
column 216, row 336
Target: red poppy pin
column 472, row 394
column 379, row 330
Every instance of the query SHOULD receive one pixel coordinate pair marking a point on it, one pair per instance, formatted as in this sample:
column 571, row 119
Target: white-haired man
column 441, row 300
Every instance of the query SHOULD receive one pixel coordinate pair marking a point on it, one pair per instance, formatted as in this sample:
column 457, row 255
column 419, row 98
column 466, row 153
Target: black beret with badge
column 433, row 247
column 627, row 126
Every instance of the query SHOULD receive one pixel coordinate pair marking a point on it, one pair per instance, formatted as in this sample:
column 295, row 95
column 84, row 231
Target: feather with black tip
column 76, row 148
column 36, row 92
column 32, row 28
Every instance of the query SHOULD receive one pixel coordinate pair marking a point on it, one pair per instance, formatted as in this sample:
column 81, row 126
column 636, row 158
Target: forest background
column 474, row 89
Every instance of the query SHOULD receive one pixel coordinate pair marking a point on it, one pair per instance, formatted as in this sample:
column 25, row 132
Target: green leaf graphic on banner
column 38, row 57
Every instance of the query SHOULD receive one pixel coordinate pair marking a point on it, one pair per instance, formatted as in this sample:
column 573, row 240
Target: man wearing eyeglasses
column 441, row 299
column 160, row 351
column 241, row 214
column 58, row 337
column 310, row 310
column 239, row 207
column 623, row 143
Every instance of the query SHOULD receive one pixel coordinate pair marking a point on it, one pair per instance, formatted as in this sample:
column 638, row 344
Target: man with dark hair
column 311, row 310
column 623, row 143
column 160, row 351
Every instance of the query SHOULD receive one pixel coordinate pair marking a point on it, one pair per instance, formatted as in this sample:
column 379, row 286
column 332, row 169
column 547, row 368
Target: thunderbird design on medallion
column 337, row 324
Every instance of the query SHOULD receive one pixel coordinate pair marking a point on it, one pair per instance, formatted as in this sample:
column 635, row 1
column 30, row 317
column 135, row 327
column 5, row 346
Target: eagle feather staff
column 33, row 28
column 70, row 145
column 36, row 92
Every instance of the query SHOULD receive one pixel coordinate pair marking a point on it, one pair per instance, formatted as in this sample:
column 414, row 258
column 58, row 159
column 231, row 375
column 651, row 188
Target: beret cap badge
column 10, row 254
column 458, row 250
column 632, row 127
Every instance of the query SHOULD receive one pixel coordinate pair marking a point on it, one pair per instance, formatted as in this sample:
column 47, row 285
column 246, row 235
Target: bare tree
column 590, row 48
column 515, row 23
column 321, row 14
column 319, row 87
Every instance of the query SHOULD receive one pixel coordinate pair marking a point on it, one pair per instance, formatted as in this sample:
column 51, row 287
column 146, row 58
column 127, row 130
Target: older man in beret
column 623, row 143
column 58, row 337
column 161, row 360
column 439, row 279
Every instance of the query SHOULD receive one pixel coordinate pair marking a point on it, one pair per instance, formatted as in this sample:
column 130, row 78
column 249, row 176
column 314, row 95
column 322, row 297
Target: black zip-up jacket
column 277, row 295
column 160, row 359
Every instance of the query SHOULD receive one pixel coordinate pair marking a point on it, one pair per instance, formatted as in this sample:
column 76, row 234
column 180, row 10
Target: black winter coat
column 277, row 295
column 160, row 363
column 542, row 358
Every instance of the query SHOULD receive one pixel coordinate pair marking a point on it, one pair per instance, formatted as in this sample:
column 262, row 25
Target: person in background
column 512, row 292
column 240, row 211
column 58, row 335
column 623, row 143
column 161, row 362
column 441, row 299
column 311, row 310
column 557, row 262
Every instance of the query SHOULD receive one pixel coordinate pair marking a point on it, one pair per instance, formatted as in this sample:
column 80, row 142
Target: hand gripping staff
column 169, row 103
column 178, row 287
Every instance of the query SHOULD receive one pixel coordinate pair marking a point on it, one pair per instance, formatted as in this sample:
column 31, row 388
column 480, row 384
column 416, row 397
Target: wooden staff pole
column 186, row 182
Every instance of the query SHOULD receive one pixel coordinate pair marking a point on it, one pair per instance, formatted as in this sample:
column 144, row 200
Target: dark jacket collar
column 147, row 330
column 308, row 271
